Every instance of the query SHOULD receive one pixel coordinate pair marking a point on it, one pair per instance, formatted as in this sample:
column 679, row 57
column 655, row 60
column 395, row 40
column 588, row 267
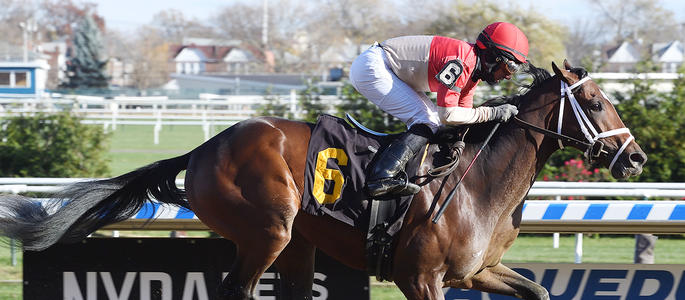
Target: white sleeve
column 461, row 115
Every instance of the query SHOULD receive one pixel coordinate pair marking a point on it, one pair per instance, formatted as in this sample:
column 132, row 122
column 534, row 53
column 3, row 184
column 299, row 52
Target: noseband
column 594, row 148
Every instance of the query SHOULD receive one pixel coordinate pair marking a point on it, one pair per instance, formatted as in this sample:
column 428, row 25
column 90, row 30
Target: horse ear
column 567, row 65
column 563, row 74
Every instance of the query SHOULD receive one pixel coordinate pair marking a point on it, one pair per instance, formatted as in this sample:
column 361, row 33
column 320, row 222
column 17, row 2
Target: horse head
column 587, row 115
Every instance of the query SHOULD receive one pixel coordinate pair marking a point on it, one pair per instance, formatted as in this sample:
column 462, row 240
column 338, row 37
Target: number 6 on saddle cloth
column 337, row 159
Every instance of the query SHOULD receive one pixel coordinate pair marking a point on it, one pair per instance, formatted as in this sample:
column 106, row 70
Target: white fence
column 547, row 216
column 208, row 111
column 539, row 216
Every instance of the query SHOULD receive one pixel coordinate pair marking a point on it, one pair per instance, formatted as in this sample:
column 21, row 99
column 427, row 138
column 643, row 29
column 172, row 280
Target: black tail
column 84, row 207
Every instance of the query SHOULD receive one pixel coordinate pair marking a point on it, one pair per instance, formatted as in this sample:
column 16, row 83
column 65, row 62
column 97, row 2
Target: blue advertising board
column 595, row 281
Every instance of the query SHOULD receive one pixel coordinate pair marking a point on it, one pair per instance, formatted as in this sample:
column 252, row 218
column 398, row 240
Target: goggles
column 511, row 66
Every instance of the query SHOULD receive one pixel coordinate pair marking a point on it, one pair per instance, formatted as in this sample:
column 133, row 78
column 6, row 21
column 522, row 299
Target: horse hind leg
column 296, row 268
column 254, row 255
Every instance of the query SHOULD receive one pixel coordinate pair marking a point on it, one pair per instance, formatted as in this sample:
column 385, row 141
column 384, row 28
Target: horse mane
column 540, row 76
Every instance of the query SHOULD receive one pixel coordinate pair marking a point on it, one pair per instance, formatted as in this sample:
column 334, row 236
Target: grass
column 133, row 147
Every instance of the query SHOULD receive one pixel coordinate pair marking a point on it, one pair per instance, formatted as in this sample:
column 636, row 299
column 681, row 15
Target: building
column 23, row 79
column 668, row 57
column 207, row 56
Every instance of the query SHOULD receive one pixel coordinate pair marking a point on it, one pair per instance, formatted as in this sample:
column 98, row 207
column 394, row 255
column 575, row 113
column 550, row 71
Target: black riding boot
column 387, row 177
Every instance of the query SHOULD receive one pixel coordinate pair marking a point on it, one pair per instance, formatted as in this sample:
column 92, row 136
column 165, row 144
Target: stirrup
column 397, row 186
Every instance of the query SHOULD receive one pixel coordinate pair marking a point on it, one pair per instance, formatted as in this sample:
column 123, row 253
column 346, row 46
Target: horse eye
column 596, row 106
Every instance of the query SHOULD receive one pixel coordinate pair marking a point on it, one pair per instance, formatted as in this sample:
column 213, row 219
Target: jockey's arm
column 456, row 115
column 461, row 115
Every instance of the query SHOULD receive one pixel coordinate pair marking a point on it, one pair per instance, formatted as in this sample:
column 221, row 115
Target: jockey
column 396, row 73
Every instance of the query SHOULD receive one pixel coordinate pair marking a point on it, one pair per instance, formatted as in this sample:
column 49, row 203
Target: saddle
column 337, row 159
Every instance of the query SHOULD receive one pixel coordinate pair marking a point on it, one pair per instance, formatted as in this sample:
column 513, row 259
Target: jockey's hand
column 503, row 113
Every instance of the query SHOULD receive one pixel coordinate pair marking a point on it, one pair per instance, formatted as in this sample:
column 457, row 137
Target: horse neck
column 510, row 163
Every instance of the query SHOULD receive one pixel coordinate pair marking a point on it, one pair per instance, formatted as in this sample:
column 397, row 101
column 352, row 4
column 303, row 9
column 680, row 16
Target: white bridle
column 584, row 123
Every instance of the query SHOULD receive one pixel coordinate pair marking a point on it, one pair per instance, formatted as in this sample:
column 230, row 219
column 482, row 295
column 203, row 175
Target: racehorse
column 246, row 184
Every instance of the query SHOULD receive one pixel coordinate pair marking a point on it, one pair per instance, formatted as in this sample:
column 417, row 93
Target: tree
column 58, row 17
column 656, row 120
column 54, row 145
column 366, row 112
column 12, row 13
column 642, row 20
column 274, row 107
column 149, row 58
column 311, row 104
column 173, row 26
column 466, row 19
column 86, row 68
column 244, row 22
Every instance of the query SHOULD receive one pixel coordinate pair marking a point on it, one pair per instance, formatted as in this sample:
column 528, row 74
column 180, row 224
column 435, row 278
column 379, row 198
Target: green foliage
column 311, row 104
column 52, row 145
column 273, row 106
column 86, row 68
column 656, row 120
column 367, row 113
column 466, row 19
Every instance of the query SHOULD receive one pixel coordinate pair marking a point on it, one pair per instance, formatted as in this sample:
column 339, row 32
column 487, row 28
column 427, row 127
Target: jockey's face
column 501, row 72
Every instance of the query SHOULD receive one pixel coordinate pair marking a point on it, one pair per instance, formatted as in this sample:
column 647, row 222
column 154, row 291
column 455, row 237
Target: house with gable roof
column 668, row 56
column 623, row 58
column 201, row 56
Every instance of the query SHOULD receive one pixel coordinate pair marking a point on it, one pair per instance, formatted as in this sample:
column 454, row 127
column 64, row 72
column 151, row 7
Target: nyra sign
column 596, row 281
column 162, row 269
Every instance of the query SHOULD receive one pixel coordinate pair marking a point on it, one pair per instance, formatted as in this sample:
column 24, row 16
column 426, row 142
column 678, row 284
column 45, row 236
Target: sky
column 126, row 15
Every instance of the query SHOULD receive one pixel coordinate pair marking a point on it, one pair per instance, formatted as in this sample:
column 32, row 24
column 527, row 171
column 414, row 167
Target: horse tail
column 81, row 208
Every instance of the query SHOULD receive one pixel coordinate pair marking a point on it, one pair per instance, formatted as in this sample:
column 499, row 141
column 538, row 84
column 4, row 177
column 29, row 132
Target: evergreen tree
column 86, row 68
column 311, row 105
column 273, row 106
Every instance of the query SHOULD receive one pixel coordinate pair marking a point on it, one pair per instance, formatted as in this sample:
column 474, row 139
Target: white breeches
column 372, row 77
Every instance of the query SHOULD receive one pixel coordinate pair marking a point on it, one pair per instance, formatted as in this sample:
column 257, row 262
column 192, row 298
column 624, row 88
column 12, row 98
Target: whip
column 451, row 194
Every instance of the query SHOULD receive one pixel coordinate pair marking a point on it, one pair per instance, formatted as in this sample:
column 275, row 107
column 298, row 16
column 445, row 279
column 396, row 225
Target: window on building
column 21, row 80
column 15, row 79
column 5, row 79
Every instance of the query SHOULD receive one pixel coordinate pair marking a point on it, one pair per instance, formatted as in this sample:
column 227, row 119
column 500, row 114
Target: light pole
column 27, row 27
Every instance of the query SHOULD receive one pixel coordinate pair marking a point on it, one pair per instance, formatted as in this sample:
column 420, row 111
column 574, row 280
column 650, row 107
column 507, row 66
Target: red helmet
column 506, row 37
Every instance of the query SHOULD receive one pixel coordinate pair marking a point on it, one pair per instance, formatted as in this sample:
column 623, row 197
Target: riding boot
column 387, row 177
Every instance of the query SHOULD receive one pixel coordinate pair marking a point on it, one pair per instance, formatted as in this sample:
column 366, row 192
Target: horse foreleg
column 500, row 279
column 296, row 267
column 421, row 286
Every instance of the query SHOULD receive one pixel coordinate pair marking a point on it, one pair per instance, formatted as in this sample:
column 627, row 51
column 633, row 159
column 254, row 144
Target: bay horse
column 246, row 184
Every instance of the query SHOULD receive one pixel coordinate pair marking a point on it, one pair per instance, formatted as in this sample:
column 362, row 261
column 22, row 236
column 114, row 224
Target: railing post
column 579, row 248
column 293, row 102
column 555, row 239
column 13, row 253
column 158, row 127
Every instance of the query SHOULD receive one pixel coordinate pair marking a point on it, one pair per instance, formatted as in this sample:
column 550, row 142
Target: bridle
column 594, row 148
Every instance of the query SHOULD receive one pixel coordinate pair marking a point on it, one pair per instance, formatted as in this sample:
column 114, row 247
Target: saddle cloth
column 337, row 159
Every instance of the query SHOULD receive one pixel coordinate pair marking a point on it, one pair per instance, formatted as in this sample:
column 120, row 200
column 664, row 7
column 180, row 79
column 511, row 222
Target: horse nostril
column 638, row 157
